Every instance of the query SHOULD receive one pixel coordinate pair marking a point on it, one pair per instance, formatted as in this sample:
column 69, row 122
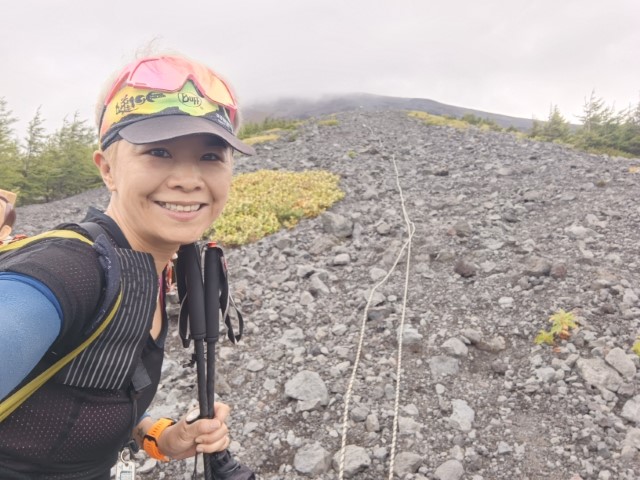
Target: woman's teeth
column 180, row 208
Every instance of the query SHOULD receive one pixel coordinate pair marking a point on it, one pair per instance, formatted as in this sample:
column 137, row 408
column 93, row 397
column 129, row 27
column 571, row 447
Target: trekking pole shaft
column 197, row 329
column 212, row 316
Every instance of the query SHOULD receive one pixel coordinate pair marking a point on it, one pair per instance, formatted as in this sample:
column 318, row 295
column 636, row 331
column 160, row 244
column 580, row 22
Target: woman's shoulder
column 69, row 267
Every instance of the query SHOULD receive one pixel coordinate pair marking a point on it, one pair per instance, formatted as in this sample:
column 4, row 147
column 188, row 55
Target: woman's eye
column 211, row 157
column 158, row 152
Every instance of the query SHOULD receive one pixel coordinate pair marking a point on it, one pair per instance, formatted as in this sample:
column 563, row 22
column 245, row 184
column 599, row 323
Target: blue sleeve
column 30, row 321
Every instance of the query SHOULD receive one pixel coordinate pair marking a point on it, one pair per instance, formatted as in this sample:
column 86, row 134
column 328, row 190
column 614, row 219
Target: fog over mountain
column 328, row 104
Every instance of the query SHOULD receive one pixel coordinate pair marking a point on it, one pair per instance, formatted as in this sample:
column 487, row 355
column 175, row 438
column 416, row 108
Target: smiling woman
column 167, row 128
column 166, row 194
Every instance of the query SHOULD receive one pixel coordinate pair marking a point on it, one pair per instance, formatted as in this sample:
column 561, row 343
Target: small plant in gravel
column 263, row 202
column 636, row 347
column 352, row 154
column 561, row 325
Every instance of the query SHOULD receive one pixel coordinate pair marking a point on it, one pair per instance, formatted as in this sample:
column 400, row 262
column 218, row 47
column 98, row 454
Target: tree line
column 44, row 167
column 602, row 129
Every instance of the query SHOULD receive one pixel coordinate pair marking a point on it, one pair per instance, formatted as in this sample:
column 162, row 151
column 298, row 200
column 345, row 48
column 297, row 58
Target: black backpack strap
column 93, row 229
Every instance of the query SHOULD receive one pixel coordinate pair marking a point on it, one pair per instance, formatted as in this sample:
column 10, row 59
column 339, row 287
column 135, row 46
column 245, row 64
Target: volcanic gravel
column 507, row 232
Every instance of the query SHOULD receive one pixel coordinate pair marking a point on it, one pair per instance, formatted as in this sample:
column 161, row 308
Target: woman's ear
column 104, row 165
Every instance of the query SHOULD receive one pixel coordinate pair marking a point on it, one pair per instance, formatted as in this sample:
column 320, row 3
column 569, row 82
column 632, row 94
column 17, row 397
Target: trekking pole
column 189, row 260
column 223, row 465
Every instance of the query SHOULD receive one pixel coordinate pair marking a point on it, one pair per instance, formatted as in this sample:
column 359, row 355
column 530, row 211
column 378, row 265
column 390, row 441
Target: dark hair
column 9, row 213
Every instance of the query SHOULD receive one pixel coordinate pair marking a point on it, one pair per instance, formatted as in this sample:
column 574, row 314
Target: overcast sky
column 515, row 57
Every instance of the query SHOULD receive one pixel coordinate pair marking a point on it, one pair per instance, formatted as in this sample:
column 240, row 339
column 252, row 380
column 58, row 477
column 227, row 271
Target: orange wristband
column 150, row 441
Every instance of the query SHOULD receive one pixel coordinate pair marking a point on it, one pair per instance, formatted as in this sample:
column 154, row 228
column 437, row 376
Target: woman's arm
column 30, row 321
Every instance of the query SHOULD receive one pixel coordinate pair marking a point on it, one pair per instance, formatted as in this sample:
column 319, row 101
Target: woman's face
column 168, row 193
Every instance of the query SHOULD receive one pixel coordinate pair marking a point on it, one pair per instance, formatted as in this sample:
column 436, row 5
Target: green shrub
column 263, row 202
column 252, row 129
column 330, row 122
column 439, row 120
column 261, row 139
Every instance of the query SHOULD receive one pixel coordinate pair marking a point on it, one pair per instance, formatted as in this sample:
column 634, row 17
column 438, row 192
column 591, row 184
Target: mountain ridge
column 303, row 108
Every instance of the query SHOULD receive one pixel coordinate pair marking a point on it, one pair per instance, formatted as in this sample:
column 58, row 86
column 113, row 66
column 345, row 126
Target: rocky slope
column 507, row 232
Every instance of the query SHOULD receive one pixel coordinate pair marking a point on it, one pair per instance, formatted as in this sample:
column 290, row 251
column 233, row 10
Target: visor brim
column 167, row 127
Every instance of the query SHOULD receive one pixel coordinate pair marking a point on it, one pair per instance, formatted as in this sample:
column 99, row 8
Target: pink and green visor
column 161, row 98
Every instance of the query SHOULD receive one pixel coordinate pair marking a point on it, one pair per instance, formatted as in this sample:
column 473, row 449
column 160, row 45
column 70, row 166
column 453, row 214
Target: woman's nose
column 187, row 175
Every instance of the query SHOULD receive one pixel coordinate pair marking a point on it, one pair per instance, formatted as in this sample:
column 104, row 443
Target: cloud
column 515, row 58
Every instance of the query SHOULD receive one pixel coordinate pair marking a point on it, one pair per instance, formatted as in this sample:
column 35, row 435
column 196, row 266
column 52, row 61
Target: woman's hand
column 190, row 436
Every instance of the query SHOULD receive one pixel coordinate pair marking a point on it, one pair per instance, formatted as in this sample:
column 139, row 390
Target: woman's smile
column 176, row 207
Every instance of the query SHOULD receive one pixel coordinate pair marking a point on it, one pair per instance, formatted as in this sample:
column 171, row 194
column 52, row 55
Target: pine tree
column 31, row 158
column 9, row 150
column 556, row 128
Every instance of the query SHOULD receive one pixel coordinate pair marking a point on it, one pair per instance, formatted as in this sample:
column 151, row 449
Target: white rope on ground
column 411, row 228
column 349, row 392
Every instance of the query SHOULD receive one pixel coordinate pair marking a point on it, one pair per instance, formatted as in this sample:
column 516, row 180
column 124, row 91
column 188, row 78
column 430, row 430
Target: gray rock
column 408, row 426
column 504, row 448
column 465, row 268
column 377, row 274
column 558, row 271
column 383, row 228
column 255, row 365
column 619, row 360
column 312, row 460
column 359, row 413
column 442, row 365
column 406, row 463
column 410, row 337
column 304, row 271
column 631, row 410
column 306, row 298
column 292, row 337
column 463, row 416
column 372, row 424
column 632, row 439
column 337, row 225
column 595, row 372
column 455, row 347
column 449, row 470
column 505, row 302
column 537, row 267
column 578, row 231
column 494, row 345
column 341, row 259
column 629, row 298
column 318, row 286
column 474, row 336
column 545, row 374
column 461, row 229
column 356, row 460
column 148, row 466
column 308, row 388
